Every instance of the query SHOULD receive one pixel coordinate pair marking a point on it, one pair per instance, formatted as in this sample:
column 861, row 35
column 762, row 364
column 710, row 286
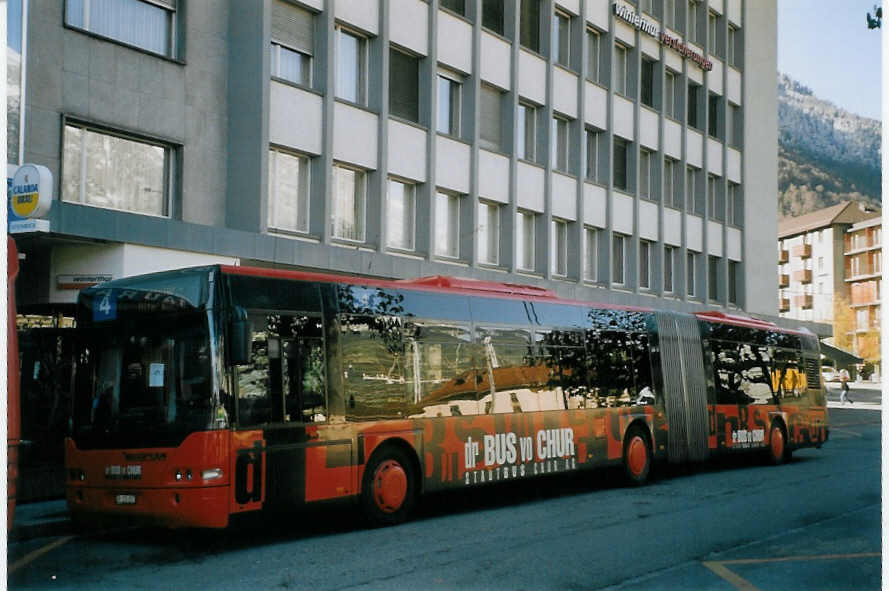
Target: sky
column 826, row 45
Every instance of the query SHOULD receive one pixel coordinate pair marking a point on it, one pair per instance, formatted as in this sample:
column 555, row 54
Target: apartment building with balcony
column 611, row 151
column 812, row 260
column 863, row 254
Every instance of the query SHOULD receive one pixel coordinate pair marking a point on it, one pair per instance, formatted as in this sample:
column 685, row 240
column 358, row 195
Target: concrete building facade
column 864, row 275
column 611, row 151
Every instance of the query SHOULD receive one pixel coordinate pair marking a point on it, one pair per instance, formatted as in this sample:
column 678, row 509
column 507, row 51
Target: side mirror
column 240, row 339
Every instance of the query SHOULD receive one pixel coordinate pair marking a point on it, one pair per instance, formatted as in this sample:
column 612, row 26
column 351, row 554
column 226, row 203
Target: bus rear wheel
column 778, row 452
column 637, row 456
column 389, row 487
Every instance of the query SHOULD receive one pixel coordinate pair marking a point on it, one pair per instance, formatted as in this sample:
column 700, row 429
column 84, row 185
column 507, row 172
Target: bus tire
column 778, row 451
column 389, row 487
column 637, row 456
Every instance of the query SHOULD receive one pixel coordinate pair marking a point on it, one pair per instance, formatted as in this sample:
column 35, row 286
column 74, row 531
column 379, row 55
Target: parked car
column 829, row 374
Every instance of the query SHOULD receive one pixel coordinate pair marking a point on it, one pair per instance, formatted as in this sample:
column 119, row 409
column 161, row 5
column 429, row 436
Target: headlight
column 212, row 474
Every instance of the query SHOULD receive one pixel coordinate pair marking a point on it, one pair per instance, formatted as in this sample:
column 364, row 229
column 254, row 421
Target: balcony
column 803, row 276
column 783, row 304
column 783, row 280
column 802, row 251
column 803, row 301
column 783, row 256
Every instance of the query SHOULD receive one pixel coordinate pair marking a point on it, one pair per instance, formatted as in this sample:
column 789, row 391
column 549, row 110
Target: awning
column 839, row 356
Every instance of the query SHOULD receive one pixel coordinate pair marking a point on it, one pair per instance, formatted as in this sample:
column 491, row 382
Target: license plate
column 125, row 499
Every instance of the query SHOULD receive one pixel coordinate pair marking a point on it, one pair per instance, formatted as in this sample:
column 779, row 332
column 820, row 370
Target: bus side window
column 303, row 368
column 562, row 352
column 373, row 361
column 254, row 399
column 612, row 372
column 440, row 370
column 512, row 378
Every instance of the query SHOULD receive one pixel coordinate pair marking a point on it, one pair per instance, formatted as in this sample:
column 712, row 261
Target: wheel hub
column 389, row 486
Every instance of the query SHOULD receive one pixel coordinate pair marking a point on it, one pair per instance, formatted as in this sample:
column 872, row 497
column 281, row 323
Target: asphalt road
column 811, row 524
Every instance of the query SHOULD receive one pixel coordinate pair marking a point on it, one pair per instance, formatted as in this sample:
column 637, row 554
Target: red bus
column 13, row 412
column 208, row 392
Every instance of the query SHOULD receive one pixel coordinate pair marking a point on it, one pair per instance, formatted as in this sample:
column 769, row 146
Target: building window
column 351, row 83
column 861, row 318
column 691, row 263
column 492, row 15
column 591, row 255
column 488, row 233
column 621, row 63
column 448, row 105
column 116, row 172
column 733, row 269
column 447, row 224
column 593, row 137
column 713, row 197
column 529, row 25
column 672, row 196
column 735, row 125
column 670, row 19
column 620, row 164
column 693, row 91
column 458, row 6
column 733, row 210
column 646, row 6
column 292, row 43
column 594, row 48
column 618, row 254
column 647, row 87
column 713, row 34
column 820, row 263
column 288, row 191
column 644, row 264
column 645, row 174
column 690, row 175
column 669, row 259
column 348, row 204
column 400, row 215
column 713, row 122
column 670, row 101
column 145, row 25
column 525, row 229
column 559, row 254
column 404, row 86
column 490, row 118
column 694, row 33
column 713, row 274
column 560, row 144
column 733, row 52
column 562, row 38
column 526, row 130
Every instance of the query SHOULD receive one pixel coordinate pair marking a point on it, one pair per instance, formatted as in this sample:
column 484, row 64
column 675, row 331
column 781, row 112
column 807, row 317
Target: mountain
column 826, row 154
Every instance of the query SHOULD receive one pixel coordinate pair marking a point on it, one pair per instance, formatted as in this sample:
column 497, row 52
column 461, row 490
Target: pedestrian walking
column 844, row 381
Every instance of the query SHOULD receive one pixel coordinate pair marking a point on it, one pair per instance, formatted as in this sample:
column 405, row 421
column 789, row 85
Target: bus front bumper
column 165, row 507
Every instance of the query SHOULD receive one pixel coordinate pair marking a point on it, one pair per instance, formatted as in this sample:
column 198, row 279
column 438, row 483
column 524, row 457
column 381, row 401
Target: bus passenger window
column 441, row 372
column 373, row 366
column 513, row 378
column 563, row 354
column 254, row 405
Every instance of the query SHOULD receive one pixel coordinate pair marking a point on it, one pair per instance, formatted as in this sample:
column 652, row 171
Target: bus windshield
column 150, row 382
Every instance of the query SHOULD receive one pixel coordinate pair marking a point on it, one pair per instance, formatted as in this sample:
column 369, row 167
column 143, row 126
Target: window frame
column 621, row 63
column 645, row 160
column 455, row 96
column 455, row 238
column 645, row 267
column 691, row 259
column 409, row 207
column 305, row 164
column 593, row 136
column 559, row 248
column 625, row 147
column 619, row 261
column 276, row 48
column 527, row 138
column 489, row 208
column 170, row 166
column 172, row 45
column 360, row 191
column 362, row 66
column 560, row 142
column 591, row 254
column 594, row 49
column 525, row 244
column 669, row 267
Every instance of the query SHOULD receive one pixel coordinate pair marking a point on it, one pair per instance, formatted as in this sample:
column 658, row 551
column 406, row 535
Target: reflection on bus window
column 441, row 373
column 373, row 366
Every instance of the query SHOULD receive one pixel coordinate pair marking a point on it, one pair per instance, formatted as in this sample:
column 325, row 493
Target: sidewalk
column 40, row 520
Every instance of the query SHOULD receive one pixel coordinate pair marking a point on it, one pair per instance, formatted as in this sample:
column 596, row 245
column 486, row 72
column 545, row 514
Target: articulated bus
column 13, row 408
column 209, row 392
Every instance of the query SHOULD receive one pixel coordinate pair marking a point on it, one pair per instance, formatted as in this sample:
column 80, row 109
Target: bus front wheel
column 389, row 487
column 637, row 456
